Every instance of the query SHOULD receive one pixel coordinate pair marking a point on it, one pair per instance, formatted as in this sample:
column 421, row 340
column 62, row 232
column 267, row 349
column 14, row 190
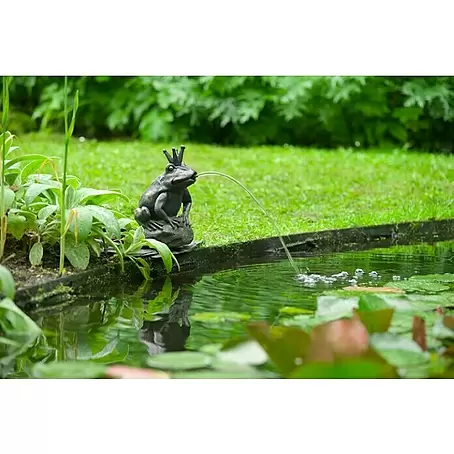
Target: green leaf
column 371, row 303
column 17, row 225
column 46, row 211
column 37, row 158
column 78, row 255
column 82, row 221
column 239, row 373
column 35, row 189
column 399, row 351
column 164, row 252
column 220, row 317
column 107, row 219
column 180, row 361
column 246, row 353
column 377, row 321
column 69, row 369
column 97, row 196
column 441, row 330
column 350, row 368
column 286, row 346
column 332, row 307
column 17, row 325
column 418, row 286
column 36, row 254
column 7, row 285
column 446, row 278
column 9, row 198
column 289, row 310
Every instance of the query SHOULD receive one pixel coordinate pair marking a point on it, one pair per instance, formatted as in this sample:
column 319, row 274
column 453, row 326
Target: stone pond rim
column 215, row 258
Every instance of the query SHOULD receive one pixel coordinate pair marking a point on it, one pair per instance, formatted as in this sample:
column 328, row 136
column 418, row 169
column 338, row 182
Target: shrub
column 416, row 112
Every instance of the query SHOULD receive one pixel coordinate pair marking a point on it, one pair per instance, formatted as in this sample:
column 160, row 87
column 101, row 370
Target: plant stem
column 63, row 184
column 5, row 108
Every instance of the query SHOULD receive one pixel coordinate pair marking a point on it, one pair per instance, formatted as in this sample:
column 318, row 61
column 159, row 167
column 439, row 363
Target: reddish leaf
column 419, row 332
column 133, row 372
column 448, row 322
column 338, row 339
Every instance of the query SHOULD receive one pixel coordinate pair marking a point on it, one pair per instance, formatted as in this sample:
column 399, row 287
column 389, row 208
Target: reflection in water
column 167, row 331
column 132, row 324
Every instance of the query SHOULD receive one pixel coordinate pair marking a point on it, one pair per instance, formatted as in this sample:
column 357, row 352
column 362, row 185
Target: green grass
column 303, row 189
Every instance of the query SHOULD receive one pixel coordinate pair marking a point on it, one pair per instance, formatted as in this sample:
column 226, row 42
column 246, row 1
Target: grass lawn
column 303, row 189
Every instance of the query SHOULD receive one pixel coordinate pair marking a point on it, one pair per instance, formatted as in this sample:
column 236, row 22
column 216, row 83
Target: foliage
column 42, row 210
column 18, row 332
column 310, row 111
column 373, row 336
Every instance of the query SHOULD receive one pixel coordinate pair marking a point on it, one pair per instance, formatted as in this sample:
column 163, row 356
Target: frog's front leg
column 187, row 204
column 159, row 210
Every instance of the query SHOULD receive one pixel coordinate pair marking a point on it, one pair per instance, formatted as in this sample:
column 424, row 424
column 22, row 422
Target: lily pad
column 180, row 361
column 399, row 351
column 69, row 369
column 246, row 353
column 446, row 278
column 377, row 321
column 220, row 317
column 354, row 369
column 419, row 286
column 232, row 373
column 289, row 310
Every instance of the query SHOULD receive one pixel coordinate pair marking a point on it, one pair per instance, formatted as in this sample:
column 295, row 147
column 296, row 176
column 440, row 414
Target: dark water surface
column 170, row 315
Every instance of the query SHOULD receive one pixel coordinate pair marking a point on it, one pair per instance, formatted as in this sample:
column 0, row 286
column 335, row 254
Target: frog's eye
column 170, row 167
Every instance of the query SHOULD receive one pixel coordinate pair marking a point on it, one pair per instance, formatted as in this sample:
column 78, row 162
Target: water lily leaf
column 334, row 307
column 376, row 321
column 419, row 286
column 347, row 368
column 238, row 373
column 371, row 303
column 69, row 369
column 246, row 353
column 286, row 346
column 36, row 254
column 399, row 351
column 295, row 310
column 77, row 254
column 220, row 317
column 443, row 328
column 210, row 349
column 180, row 360
column 446, row 278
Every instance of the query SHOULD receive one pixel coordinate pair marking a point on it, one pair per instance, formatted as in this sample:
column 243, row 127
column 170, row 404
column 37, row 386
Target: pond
column 132, row 325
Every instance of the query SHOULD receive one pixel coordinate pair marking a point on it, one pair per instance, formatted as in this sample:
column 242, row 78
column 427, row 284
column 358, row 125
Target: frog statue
column 160, row 204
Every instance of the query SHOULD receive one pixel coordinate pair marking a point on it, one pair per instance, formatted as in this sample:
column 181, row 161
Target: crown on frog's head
column 177, row 158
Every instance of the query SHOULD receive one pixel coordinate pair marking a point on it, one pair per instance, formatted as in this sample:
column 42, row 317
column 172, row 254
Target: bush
column 416, row 112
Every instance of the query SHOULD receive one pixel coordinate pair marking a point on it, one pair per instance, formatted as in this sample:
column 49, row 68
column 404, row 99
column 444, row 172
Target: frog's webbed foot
column 142, row 215
column 174, row 223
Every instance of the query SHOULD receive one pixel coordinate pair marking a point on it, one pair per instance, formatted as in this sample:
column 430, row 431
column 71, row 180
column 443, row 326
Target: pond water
column 172, row 315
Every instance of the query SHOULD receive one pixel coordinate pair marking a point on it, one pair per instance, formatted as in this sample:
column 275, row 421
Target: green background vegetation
column 326, row 112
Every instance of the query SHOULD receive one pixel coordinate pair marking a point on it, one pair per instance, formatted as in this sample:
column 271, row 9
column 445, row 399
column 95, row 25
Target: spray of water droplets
column 312, row 280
